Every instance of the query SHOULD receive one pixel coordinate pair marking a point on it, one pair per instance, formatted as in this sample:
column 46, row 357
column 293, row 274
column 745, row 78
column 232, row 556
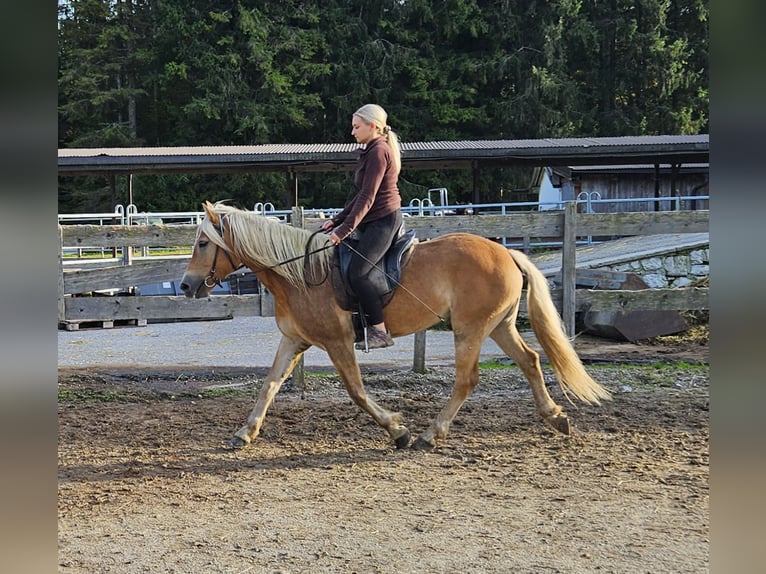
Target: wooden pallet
column 102, row 324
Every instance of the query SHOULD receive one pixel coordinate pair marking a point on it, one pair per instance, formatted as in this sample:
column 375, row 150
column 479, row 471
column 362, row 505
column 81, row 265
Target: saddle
column 385, row 275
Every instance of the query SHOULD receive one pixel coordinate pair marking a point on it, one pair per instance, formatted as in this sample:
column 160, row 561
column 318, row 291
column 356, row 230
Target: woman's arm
column 375, row 167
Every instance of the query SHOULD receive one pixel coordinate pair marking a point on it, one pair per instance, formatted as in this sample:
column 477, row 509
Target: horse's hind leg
column 289, row 352
column 467, row 351
column 345, row 362
column 511, row 342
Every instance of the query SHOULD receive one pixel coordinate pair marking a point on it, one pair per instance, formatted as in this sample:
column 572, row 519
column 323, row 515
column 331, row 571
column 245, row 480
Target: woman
column 375, row 211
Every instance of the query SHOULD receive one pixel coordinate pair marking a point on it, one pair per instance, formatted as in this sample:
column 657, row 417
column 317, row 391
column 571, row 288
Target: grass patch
column 170, row 251
column 221, row 392
column 680, row 365
column 657, row 366
column 494, row 364
column 137, row 252
column 91, row 396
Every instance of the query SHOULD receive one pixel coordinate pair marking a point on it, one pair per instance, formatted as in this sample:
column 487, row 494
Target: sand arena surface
column 146, row 485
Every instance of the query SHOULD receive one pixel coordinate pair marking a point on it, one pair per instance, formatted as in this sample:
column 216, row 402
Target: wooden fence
column 566, row 226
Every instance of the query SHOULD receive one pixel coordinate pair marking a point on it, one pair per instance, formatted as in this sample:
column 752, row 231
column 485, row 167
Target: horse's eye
column 203, row 242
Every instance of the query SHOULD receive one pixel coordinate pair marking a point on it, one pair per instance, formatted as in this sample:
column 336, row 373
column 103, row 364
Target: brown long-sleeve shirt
column 377, row 193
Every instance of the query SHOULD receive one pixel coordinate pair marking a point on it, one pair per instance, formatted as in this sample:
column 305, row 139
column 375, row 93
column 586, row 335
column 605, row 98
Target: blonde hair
column 374, row 114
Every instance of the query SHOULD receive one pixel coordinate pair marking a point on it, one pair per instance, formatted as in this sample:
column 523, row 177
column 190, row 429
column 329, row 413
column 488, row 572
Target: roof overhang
column 629, row 150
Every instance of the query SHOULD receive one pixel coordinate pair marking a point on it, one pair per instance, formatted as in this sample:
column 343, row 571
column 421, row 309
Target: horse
column 474, row 282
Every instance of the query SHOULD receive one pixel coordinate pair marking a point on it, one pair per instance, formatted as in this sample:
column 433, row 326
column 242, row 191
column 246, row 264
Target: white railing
column 417, row 207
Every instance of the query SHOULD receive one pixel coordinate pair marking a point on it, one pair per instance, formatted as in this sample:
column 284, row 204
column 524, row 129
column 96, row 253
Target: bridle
column 211, row 280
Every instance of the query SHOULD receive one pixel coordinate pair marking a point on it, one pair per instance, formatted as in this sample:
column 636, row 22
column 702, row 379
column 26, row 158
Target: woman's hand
column 327, row 226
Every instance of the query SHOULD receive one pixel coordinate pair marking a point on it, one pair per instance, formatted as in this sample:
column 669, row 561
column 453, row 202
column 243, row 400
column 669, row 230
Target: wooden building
column 620, row 188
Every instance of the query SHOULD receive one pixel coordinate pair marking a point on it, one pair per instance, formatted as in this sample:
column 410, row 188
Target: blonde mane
column 268, row 242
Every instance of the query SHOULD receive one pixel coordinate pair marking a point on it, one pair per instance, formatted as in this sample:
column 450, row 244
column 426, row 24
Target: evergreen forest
column 134, row 73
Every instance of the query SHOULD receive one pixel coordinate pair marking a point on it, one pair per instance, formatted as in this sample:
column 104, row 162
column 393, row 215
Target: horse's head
column 212, row 259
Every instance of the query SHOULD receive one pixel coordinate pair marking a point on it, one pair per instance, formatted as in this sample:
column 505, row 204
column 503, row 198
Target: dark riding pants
column 375, row 239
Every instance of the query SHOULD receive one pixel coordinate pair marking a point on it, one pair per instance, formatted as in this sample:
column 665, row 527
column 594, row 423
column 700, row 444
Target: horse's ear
column 210, row 212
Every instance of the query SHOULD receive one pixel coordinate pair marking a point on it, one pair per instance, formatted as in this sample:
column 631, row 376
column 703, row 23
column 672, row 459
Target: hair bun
column 386, row 129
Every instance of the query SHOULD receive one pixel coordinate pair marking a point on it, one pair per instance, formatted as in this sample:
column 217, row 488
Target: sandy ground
column 146, row 485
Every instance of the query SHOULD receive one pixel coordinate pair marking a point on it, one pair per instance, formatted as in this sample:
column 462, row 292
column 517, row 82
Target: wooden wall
column 631, row 185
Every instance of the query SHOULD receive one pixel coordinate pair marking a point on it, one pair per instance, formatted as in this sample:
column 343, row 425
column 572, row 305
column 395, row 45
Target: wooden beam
column 60, row 282
column 160, row 307
column 569, row 267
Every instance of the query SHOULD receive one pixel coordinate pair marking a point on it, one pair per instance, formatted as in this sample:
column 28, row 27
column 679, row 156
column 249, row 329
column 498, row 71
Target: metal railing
column 424, row 207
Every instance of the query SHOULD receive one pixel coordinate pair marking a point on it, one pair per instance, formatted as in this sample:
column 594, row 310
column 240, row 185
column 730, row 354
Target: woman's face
column 361, row 130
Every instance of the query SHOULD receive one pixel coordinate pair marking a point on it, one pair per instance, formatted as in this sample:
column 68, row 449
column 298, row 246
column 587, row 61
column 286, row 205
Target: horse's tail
column 549, row 330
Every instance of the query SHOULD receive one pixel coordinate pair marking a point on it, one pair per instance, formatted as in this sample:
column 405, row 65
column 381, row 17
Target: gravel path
column 237, row 342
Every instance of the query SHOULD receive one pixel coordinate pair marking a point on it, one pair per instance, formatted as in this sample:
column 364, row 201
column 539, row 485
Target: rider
column 374, row 211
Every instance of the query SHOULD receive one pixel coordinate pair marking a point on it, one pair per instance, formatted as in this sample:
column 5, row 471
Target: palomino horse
column 475, row 282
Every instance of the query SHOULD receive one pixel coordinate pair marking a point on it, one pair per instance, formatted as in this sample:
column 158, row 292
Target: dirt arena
column 146, row 485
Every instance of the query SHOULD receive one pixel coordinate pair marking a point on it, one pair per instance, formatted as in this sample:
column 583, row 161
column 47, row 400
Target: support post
column 127, row 250
column 476, row 189
column 657, row 193
column 61, row 301
column 568, row 267
column 297, row 219
column 113, row 191
column 419, row 352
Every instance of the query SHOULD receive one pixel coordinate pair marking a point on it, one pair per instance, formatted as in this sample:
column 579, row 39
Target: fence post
column 419, row 352
column 297, row 219
column 61, row 301
column 568, row 267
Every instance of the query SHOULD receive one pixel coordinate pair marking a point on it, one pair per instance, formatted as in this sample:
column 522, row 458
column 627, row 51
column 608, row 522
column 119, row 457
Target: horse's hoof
column 559, row 422
column 236, row 443
column 422, row 444
column 403, row 440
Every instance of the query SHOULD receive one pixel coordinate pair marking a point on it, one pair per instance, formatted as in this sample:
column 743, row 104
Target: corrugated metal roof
column 429, row 155
column 563, row 142
column 686, row 167
column 242, row 150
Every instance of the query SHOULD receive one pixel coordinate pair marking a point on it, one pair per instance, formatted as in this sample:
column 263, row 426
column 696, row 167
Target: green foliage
column 175, row 73
column 494, row 365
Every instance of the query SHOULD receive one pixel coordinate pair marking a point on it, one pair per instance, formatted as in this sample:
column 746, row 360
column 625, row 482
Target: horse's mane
column 269, row 242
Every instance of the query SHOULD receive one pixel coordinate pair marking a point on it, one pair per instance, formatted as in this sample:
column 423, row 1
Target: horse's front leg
column 466, row 378
column 345, row 362
column 288, row 354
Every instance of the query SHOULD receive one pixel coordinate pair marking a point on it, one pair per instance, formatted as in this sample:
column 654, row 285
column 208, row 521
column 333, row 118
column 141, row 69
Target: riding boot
column 376, row 339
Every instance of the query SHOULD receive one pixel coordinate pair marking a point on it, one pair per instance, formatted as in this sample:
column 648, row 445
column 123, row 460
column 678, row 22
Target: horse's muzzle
column 188, row 288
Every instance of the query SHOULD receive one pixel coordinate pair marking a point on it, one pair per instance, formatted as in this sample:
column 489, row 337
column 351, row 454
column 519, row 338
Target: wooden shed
column 621, row 188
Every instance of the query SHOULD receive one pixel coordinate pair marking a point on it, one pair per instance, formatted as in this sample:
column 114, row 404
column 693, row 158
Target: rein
column 305, row 257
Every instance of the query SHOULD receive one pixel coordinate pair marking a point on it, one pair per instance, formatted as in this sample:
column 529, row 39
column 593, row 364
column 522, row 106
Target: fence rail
column 78, row 277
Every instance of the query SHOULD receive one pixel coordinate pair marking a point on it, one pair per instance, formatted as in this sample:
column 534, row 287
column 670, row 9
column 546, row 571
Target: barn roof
column 664, row 149
column 639, row 168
